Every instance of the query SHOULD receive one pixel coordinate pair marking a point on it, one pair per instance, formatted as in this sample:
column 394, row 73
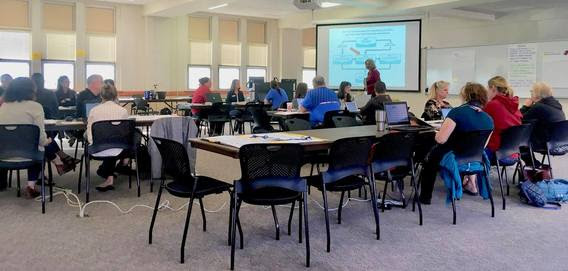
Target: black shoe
column 124, row 170
column 104, row 188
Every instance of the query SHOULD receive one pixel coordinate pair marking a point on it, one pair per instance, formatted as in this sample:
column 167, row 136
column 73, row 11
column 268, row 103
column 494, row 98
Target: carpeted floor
column 520, row 238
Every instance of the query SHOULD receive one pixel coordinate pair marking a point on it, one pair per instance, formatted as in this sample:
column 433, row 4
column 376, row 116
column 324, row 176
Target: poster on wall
column 522, row 65
column 554, row 66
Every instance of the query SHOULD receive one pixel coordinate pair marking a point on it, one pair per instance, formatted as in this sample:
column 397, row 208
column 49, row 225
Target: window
column 52, row 70
column 58, row 17
column 227, row 75
column 14, row 14
column 309, row 57
column 256, row 72
column 15, row 68
column 258, row 55
column 102, row 48
column 199, row 28
column 15, row 45
column 200, row 52
column 100, row 20
column 231, row 54
column 196, row 72
column 106, row 70
column 308, row 75
column 60, row 46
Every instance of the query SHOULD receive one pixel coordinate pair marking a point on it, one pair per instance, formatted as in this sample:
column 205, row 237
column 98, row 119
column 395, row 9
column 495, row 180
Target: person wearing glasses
column 437, row 101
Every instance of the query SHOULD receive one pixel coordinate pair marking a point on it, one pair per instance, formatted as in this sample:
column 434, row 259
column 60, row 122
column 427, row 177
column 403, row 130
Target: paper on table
column 272, row 138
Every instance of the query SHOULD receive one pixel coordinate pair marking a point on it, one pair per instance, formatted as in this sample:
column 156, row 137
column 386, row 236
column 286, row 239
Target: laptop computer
column 88, row 107
column 397, row 118
column 352, row 107
column 214, row 98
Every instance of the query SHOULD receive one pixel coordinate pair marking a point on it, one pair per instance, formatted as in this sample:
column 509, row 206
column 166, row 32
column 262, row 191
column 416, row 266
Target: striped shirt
column 317, row 96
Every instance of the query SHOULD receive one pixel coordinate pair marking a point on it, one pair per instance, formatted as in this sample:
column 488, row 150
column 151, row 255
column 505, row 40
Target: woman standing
column 373, row 76
column 65, row 95
column 437, row 101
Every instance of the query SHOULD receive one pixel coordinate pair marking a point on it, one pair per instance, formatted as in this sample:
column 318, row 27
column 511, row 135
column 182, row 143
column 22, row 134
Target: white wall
column 442, row 32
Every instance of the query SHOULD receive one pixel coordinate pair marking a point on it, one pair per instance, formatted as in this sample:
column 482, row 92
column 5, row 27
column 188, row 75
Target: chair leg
column 42, row 178
column 454, row 209
column 490, row 195
column 500, row 182
column 290, row 218
column 154, row 214
column 18, row 179
column 185, row 230
column 340, row 207
column 203, row 214
column 80, row 173
column 276, row 225
column 88, row 177
column 129, row 175
column 550, row 166
column 137, row 173
column 325, row 210
column 49, row 179
column 373, row 192
column 241, row 243
column 10, row 180
column 300, row 221
column 416, row 196
column 384, row 197
column 305, row 196
column 233, row 229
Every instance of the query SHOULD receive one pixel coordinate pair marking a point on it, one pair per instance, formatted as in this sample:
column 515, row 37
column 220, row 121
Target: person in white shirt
column 109, row 109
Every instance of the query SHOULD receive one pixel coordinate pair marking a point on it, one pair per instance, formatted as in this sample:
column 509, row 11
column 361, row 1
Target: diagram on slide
column 350, row 47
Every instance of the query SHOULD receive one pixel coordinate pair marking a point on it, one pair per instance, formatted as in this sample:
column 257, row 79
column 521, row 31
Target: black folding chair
column 142, row 107
column 557, row 144
column 329, row 115
column 261, row 120
column 111, row 134
column 219, row 115
column 511, row 140
column 175, row 164
column 470, row 148
column 394, row 152
column 20, row 150
column 344, row 121
column 271, row 176
column 347, row 171
column 296, row 125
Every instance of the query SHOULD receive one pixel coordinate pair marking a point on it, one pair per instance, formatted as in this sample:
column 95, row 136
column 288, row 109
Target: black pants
column 108, row 167
column 430, row 171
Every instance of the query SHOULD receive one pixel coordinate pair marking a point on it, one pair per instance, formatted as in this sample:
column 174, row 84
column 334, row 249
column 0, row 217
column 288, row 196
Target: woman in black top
column 436, row 101
column 344, row 93
column 65, row 95
column 235, row 94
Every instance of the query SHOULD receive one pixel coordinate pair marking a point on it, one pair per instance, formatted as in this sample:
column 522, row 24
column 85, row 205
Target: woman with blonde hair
column 503, row 107
column 373, row 76
column 542, row 109
column 436, row 101
column 468, row 117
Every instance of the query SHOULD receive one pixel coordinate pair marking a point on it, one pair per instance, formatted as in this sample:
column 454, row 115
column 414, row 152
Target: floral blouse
column 432, row 109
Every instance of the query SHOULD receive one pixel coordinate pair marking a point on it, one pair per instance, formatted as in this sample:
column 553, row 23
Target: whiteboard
column 479, row 64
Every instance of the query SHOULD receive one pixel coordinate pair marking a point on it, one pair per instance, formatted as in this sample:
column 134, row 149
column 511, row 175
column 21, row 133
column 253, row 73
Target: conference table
column 328, row 135
column 63, row 125
column 169, row 102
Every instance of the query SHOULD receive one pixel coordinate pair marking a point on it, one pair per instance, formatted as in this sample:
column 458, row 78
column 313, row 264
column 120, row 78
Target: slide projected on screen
column 350, row 47
column 394, row 46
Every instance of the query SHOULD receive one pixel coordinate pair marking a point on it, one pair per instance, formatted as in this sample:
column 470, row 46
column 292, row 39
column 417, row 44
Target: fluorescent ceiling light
column 219, row 6
column 329, row 4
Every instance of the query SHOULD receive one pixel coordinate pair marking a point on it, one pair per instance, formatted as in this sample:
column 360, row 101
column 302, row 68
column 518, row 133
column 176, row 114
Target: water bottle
column 381, row 118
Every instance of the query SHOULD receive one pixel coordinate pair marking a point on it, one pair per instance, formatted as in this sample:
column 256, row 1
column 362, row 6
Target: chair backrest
column 469, row 146
column 140, row 103
column 259, row 116
column 344, row 121
column 329, row 115
column 318, row 114
column 349, row 152
column 392, row 150
column 109, row 134
column 513, row 138
column 296, row 124
column 558, row 138
column 270, row 165
column 19, row 140
column 175, row 162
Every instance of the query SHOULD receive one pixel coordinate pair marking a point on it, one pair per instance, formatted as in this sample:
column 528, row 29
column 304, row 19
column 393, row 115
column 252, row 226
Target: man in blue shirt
column 319, row 100
column 276, row 96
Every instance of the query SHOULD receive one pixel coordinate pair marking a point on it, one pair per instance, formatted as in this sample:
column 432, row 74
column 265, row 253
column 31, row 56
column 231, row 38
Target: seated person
column 503, row 107
column 92, row 94
column 46, row 97
column 375, row 103
column 465, row 118
column 437, row 101
column 200, row 97
column 344, row 92
column 20, row 108
column 301, row 90
column 320, row 95
column 235, row 95
column 542, row 109
column 65, row 95
column 276, row 95
column 5, row 80
column 109, row 109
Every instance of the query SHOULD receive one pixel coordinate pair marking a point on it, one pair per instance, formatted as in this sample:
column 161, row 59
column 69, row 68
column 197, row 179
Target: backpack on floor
column 531, row 194
column 555, row 190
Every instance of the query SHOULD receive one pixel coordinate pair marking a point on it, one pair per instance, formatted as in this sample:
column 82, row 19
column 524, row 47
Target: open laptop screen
column 397, row 113
column 445, row 112
column 351, row 106
column 88, row 107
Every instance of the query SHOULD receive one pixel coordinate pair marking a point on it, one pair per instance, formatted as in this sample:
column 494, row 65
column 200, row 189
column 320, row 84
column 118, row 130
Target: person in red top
column 199, row 97
column 503, row 107
column 372, row 77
